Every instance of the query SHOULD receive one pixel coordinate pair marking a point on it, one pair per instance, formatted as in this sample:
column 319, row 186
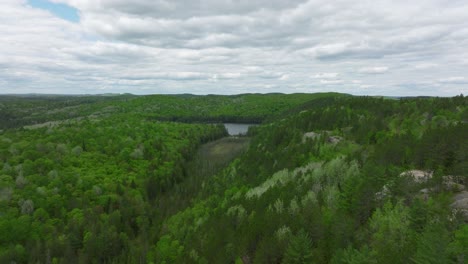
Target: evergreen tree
column 432, row 245
column 299, row 250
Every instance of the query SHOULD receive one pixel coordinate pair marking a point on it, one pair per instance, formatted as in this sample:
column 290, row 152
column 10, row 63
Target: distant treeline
column 17, row 111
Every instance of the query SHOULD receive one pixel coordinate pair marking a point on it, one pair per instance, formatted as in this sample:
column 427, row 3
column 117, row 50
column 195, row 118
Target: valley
column 319, row 178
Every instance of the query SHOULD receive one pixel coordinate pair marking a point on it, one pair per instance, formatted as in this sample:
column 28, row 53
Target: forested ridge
column 326, row 178
column 17, row 111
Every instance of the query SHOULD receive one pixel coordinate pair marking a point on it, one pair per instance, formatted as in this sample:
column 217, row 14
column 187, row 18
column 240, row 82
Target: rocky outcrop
column 418, row 176
column 453, row 183
column 379, row 196
column 315, row 135
column 310, row 135
column 334, row 139
column 460, row 204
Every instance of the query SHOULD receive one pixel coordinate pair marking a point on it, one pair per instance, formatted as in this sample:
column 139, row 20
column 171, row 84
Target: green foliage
column 353, row 256
column 84, row 190
column 432, row 245
column 391, row 239
column 299, row 250
column 116, row 180
column 168, row 250
column 459, row 246
column 43, row 111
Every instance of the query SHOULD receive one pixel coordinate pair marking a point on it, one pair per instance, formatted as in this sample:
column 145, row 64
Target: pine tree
column 299, row 250
column 432, row 245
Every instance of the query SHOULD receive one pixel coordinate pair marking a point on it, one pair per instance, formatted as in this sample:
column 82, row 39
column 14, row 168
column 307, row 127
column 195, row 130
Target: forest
column 321, row 178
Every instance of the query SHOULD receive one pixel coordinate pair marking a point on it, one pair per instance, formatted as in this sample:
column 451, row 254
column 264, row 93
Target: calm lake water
column 237, row 129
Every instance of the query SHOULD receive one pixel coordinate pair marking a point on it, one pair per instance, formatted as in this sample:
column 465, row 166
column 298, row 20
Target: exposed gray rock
column 453, row 183
column 310, row 135
column 334, row 139
column 327, row 134
column 460, row 204
column 424, row 191
column 461, row 196
column 454, row 187
column 418, row 176
column 379, row 196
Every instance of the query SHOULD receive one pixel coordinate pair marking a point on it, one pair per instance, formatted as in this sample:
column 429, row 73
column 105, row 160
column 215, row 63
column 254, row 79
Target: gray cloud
column 224, row 46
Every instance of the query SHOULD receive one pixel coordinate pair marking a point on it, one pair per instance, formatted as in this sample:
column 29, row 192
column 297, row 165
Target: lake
column 235, row 129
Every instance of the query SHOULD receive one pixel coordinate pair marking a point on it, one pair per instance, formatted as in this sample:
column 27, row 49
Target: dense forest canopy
column 247, row 108
column 323, row 178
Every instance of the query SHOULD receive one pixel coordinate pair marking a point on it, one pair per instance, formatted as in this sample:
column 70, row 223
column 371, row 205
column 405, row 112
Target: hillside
column 153, row 179
column 17, row 111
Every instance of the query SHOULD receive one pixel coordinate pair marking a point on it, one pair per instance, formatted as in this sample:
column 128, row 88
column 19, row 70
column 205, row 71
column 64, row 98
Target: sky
column 380, row 47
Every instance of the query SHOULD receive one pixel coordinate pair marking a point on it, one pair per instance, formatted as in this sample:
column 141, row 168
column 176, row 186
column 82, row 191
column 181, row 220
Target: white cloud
column 424, row 66
column 167, row 76
column 225, row 46
column 329, row 50
column 325, row 75
column 331, row 81
column 373, row 70
column 229, row 75
column 454, row 80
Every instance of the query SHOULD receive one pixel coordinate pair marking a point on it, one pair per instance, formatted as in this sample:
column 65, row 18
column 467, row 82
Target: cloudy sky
column 378, row 47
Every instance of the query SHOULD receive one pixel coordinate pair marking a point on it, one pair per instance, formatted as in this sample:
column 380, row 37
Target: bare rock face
column 379, row 196
column 311, row 135
column 454, row 187
column 449, row 183
column 418, row 176
column 334, row 139
column 316, row 135
column 424, row 191
column 460, row 204
column 453, row 183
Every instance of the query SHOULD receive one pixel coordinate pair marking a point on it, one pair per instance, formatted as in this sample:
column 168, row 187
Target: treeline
column 244, row 108
column 18, row 111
